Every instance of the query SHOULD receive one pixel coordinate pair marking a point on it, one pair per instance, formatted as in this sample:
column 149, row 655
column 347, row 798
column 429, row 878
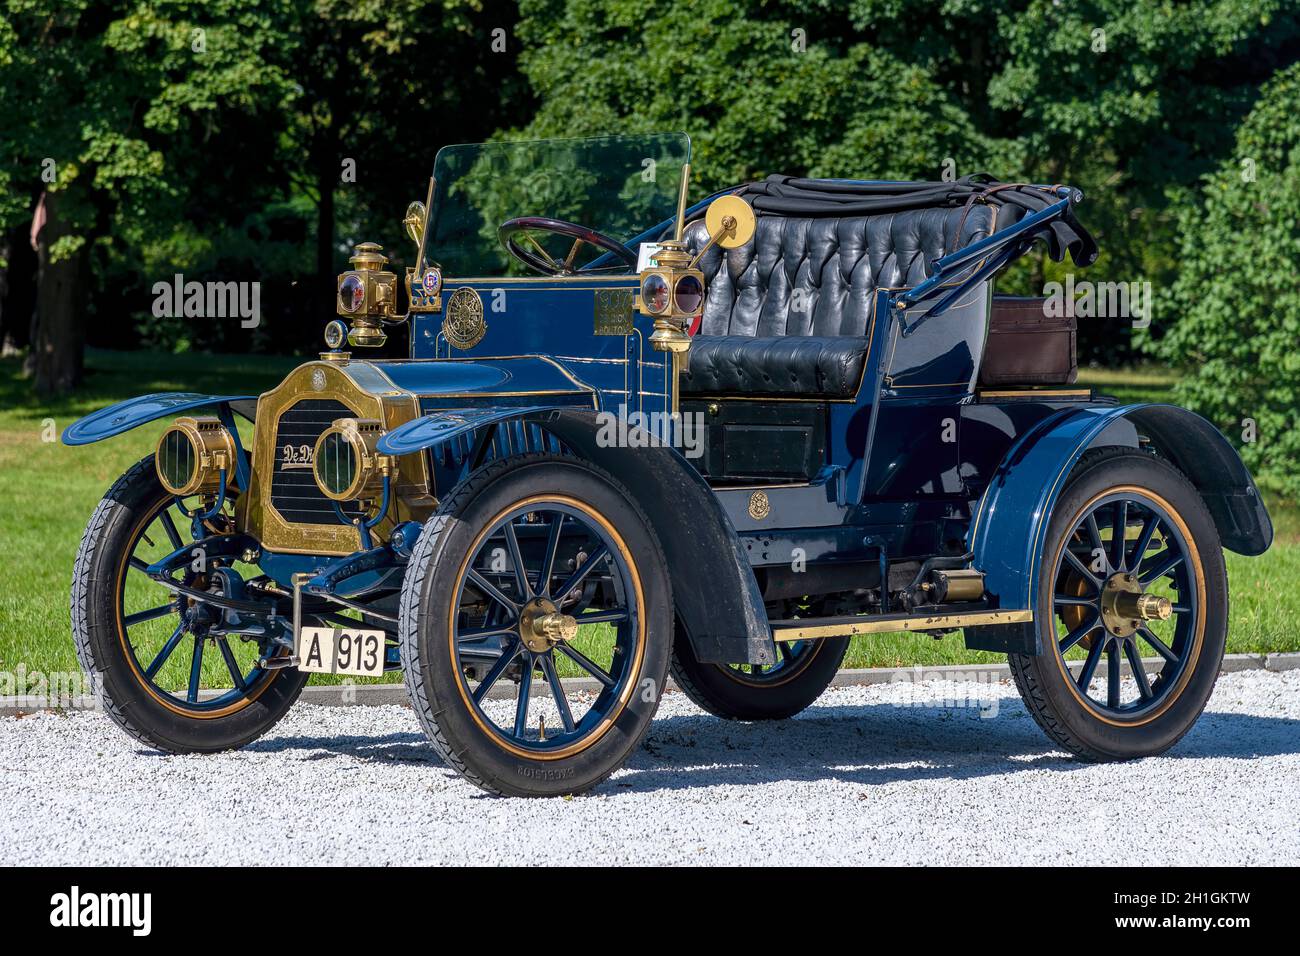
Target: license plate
column 338, row 650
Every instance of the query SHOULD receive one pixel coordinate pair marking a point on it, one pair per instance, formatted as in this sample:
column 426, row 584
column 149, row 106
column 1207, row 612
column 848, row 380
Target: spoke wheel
column 548, row 592
column 1132, row 610
column 512, row 589
column 153, row 658
column 1125, row 590
column 168, row 638
column 802, row 672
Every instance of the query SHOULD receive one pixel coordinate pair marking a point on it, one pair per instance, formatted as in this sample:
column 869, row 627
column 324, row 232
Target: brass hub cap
column 1125, row 606
column 542, row 626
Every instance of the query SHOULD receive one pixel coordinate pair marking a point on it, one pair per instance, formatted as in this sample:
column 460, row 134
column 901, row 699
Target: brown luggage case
column 1026, row 347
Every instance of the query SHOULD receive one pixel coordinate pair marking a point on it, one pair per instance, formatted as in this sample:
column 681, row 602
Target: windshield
column 617, row 185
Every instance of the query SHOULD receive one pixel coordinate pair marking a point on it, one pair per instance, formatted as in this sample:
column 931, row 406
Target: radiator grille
column 293, row 485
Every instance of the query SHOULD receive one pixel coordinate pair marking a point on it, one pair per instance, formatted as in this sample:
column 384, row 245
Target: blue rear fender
column 134, row 412
column 1010, row 524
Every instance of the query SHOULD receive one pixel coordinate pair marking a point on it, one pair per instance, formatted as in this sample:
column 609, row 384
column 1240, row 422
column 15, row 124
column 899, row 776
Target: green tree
column 1131, row 101
column 1234, row 312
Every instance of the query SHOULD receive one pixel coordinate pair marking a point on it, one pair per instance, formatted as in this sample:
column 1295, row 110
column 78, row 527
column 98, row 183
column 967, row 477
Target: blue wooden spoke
column 517, row 559
column 196, row 671
column 169, row 526
column 508, row 655
column 548, row 556
column 1082, row 568
column 611, row 616
column 1139, row 671
column 557, row 691
column 138, row 564
column 166, row 652
column 466, row 635
column 1080, row 632
column 580, row 575
column 588, row 665
column 521, row 702
column 1090, row 665
column 152, row 614
column 1167, row 561
column 1160, row 646
column 1112, row 675
column 1144, row 540
column 1118, row 534
column 1094, row 534
column 232, row 665
column 490, row 589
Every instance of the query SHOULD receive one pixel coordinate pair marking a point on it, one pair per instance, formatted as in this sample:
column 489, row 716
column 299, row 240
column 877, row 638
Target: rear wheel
column 511, row 583
column 1132, row 579
column 802, row 672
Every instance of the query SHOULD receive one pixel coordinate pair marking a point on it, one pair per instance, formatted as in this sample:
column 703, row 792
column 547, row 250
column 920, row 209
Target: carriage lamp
column 673, row 290
column 346, row 464
column 192, row 455
column 367, row 296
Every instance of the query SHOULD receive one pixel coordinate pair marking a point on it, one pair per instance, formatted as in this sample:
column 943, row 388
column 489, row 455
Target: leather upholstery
column 812, row 281
column 812, row 366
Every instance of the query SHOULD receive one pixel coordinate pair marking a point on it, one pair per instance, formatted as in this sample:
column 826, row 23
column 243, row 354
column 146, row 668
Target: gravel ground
column 937, row 772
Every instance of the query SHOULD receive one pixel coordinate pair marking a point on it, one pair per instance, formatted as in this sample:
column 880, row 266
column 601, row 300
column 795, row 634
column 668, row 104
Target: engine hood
column 434, row 381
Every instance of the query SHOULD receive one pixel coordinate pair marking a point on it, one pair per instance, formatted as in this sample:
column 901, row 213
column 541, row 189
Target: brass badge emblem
column 759, row 506
column 318, row 379
column 613, row 311
column 464, row 326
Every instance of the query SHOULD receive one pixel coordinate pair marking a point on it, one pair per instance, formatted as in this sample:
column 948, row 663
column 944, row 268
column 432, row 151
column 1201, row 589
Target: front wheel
column 160, row 667
column 536, row 568
column 1132, row 578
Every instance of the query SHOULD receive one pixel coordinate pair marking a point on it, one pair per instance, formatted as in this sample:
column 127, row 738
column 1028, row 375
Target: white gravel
column 855, row 779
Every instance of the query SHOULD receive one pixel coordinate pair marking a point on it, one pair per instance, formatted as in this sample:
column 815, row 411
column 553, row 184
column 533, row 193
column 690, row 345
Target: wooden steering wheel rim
column 512, row 228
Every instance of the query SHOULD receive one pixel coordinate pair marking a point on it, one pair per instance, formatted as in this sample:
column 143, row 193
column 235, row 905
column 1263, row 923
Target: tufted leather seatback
column 817, row 276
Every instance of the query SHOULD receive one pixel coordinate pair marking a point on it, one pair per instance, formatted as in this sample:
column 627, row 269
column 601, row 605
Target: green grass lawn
column 47, row 492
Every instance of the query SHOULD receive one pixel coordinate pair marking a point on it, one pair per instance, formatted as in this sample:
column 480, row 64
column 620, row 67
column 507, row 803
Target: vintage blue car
column 638, row 436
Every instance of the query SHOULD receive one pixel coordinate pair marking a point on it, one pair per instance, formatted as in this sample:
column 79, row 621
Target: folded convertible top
column 818, row 198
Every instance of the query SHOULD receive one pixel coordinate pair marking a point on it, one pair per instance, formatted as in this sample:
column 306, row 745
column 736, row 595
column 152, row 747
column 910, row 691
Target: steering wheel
column 539, row 260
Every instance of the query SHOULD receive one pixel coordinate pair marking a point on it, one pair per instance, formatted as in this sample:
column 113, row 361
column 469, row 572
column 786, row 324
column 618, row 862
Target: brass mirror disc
column 414, row 221
column 743, row 221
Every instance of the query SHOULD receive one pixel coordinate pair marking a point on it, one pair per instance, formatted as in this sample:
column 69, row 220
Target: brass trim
column 412, row 491
column 1034, row 393
column 924, row 622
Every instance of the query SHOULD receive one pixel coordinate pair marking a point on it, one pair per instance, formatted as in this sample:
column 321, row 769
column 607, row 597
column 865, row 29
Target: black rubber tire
column 714, row 688
column 95, row 630
column 430, row 584
column 1039, row 678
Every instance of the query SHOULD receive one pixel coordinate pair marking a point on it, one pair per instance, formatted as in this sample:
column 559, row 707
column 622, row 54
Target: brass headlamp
column 191, row 455
column 346, row 463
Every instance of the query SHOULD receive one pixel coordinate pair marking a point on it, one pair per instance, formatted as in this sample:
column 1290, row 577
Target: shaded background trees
column 216, row 139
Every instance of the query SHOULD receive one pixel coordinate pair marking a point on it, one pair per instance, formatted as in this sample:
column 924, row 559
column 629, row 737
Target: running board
column 816, row 628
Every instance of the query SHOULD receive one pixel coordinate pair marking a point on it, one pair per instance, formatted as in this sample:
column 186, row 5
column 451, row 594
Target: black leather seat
column 789, row 313
column 813, row 366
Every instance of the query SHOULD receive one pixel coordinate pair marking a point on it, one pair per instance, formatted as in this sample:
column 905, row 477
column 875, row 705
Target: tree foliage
column 1233, row 315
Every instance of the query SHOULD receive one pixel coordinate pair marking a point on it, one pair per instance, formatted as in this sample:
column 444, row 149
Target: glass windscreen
column 620, row 186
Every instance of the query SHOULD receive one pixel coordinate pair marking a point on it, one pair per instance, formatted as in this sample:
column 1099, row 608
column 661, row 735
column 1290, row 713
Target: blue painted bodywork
column 134, row 412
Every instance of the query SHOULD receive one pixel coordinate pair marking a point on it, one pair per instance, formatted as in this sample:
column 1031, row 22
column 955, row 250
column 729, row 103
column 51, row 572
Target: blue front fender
column 441, row 426
column 1011, row 521
column 124, row 416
